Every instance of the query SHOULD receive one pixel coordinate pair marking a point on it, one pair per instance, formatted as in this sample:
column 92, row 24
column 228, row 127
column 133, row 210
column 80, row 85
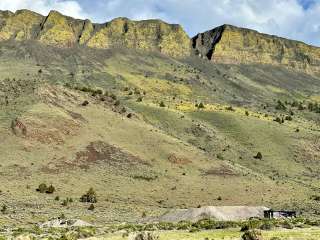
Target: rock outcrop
column 62, row 31
column 233, row 45
column 225, row 44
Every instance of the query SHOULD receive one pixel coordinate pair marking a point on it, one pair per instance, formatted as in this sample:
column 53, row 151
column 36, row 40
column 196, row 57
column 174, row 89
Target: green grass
column 127, row 160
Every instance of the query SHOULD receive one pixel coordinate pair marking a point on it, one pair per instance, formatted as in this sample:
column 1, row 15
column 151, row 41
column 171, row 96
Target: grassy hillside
column 155, row 133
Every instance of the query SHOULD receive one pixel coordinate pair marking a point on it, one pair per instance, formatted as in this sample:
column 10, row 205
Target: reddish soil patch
column 96, row 153
column 179, row 160
column 101, row 151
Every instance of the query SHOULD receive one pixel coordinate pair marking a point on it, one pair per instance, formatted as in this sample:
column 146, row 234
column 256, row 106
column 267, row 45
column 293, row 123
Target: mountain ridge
column 225, row 44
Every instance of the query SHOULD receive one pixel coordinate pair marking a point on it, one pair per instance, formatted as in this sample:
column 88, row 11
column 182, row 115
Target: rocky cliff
column 232, row 45
column 224, row 44
column 62, row 31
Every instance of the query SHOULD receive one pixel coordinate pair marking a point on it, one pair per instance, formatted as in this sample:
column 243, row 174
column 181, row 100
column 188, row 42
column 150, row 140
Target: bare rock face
column 232, row 45
column 62, row 31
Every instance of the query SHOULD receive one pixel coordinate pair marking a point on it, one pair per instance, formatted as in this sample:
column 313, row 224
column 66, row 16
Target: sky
column 294, row 19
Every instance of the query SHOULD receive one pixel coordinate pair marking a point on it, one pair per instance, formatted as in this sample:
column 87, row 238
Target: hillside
column 148, row 131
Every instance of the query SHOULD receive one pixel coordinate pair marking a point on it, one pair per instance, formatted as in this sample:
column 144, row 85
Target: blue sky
column 295, row 19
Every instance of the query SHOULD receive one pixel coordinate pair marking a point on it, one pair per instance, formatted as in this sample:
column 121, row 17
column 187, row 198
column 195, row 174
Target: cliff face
column 59, row 30
column 232, row 45
column 225, row 44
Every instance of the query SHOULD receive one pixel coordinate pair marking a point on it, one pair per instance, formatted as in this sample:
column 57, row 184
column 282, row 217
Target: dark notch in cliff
column 204, row 43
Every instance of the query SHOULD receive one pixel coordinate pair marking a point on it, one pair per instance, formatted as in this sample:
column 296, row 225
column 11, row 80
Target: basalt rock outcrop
column 225, row 44
column 62, row 31
column 232, row 45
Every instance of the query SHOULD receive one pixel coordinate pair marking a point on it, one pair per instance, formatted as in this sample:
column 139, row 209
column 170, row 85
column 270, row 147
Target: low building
column 272, row 214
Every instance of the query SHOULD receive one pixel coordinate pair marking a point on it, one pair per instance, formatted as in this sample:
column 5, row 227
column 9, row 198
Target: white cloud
column 70, row 8
column 286, row 18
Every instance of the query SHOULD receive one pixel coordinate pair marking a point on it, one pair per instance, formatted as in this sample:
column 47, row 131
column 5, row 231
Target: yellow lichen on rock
column 150, row 35
column 232, row 45
column 57, row 31
column 19, row 25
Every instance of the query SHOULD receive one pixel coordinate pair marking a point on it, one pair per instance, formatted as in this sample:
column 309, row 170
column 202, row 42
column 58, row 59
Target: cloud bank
column 295, row 19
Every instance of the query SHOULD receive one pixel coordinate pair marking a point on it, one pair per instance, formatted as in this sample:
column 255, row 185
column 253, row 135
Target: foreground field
column 232, row 234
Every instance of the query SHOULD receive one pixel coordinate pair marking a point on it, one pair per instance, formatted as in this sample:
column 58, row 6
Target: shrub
column 114, row 97
column 139, row 99
column 129, row 115
column 91, row 207
column 50, row 189
column 278, row 120
column 117, row 103
column 4, row 209
column 85, row 103
column 89, row 197
column 57, row 198
column 251, row 235
column 162, row 104
column 42, row 188
column 123, row 110
column 247, row 113
column 201, row 105
column 288, row 118
column 258, row 156
column 280, row 106
column 230, row 108
column 65, row 202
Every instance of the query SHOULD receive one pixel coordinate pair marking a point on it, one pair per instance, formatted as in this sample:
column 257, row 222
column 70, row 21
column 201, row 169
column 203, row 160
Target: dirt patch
column 51, row 130
column 96, row 153
column 101, row 151
column 178, row 160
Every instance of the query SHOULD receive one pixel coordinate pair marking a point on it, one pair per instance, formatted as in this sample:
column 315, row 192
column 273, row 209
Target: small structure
column 272, row 214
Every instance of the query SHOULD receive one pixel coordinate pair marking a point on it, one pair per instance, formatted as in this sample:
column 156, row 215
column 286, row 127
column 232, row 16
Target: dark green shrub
column 230, row 108
column 247, row 113
column 162, row 104
column 139, row 99
column 85, row 103
column 201, row 105
column 251, row 235
column 57, row 198
column 89, row 197
column 91, row 207
column 288, row 118
column 117, row 103
column 114, row 97
column 4, row 209
column 65, row 202
column 280, row 106
column 258, row 156
column 50, row 189
column 42, row 188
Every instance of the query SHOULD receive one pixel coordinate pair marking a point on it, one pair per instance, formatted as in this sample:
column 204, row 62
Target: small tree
column 201, row 105
column 42, row 188
column 91, row 207
column 4, row 209
column 258, row 156
column 162, row 104
column 89, row 197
